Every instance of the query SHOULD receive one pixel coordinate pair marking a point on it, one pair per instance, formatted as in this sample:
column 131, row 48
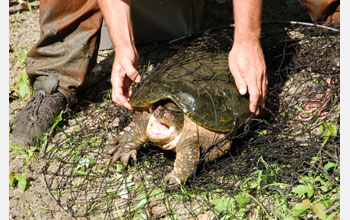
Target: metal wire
column 303, row 71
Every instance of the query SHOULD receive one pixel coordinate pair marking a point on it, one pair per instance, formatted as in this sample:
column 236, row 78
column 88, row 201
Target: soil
column 35, row 202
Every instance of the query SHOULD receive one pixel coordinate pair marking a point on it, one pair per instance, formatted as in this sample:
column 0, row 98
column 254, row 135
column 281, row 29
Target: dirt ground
column 35, row 202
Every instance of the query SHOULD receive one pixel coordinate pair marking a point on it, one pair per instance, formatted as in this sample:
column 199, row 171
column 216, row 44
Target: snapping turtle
column 186, row 105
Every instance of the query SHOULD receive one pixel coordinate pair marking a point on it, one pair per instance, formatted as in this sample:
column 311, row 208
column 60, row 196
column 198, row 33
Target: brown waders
column 70, row 35
column 68, row 44
column 58, row 63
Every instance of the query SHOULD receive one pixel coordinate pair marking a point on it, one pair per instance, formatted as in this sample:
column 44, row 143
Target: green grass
column 23, row 88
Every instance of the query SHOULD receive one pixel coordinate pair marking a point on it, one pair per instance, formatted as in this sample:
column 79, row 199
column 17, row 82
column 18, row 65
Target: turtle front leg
column 187, row 157
column 128, row 141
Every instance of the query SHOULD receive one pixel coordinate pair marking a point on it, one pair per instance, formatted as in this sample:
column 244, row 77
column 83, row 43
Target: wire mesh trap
column 296, row 134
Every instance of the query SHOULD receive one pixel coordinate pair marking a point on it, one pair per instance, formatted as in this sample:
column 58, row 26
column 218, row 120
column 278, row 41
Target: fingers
column 254, row 88
column 121, row 79
column 257, row 94
column 131, row 72
column 264, row 90
column 254, row 98
column 241, row 84
column 120, row 92
column 247, row 65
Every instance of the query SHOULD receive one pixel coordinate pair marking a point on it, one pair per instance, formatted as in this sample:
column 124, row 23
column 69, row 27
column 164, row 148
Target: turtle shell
column 201, row 84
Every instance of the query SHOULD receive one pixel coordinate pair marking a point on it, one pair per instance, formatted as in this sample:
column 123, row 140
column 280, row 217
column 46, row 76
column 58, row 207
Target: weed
column 328, row 130
column 20, row 57
column 24, row 88
column 30, row 153
column 14, row 17
column 29, row 6
column 18, row 180
column 317, row 193
column 23, row 85
column 15, row 148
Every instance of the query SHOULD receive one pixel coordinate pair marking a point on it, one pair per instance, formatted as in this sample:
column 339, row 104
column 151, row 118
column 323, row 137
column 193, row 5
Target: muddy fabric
column 323, row 10
column 67, row 48
column 70, row 37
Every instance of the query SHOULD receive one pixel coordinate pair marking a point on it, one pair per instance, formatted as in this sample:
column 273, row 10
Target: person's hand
column 123, row 73
column 247, row 65
column 117, row 15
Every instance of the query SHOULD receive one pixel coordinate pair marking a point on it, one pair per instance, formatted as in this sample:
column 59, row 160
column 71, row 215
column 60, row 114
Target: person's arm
column 118, row 19
column 246, row 59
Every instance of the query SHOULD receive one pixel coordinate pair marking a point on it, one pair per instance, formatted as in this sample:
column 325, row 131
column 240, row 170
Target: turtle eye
column 158, row 109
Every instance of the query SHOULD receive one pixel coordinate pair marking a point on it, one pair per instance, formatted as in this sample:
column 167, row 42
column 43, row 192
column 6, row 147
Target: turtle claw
column 122, row 153
column 111, row 149
column 173, row 180
column 125, row 156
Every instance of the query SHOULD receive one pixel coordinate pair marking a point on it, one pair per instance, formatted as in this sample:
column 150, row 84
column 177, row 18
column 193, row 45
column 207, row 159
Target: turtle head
column 166, row 123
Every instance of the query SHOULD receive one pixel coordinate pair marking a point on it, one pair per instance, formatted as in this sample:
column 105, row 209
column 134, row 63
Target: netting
column 296, row 126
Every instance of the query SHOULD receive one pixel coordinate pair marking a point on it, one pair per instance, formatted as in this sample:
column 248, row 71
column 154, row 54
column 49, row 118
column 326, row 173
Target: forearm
column 117, row 15
column 247, row 16
column 246, row 58
column 118, row 18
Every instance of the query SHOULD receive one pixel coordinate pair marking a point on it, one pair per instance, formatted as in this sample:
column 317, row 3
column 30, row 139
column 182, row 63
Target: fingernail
column 138, row 79
column 242, row 91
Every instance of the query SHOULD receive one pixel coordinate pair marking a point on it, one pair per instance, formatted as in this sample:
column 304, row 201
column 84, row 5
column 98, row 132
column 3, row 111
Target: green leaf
column 314, row 159
column 324, row 188
column 16, row 148
column 329, row 130
column 23, row 84
column 263, row 132
column 29, row 6
column 241, row 200
column 300, row 208
column 12, row 179
column 57, row 120
column 141, row 204
column 329, row 165
column 332, row 215
column 141, row 196
column 22, row 182
column 219, row 204
column 223, row 204
column 326, row 202
column 302, row 189
column 119, row 166
column 318, row 208
column 92, row 163
column 155, row 191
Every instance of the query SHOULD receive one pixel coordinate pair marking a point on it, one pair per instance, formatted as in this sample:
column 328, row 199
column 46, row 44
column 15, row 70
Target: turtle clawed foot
column 174, row 180
column 113, row 147
column 122, row 153
column 125, row 156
